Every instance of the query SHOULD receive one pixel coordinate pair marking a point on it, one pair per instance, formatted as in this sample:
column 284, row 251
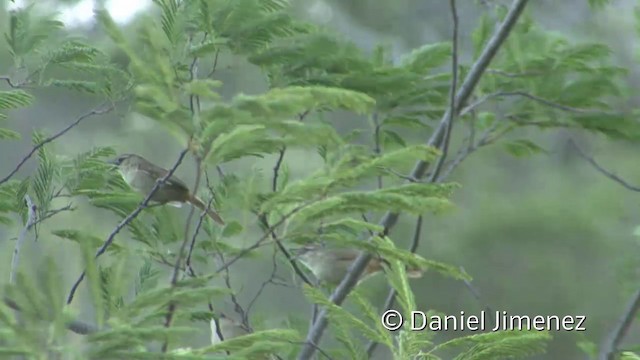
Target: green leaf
column 13, row 99
column 391, row 138
column 523, row 147
column 9, row 134
column 233, row 228
column 411, row 198
column 277, row 338
column 405, row 121
column 427, row 57
column 82, row 237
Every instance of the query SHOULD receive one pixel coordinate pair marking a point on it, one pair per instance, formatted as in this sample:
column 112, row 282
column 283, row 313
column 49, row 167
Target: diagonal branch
column 390, row 219
column 610, row 346
column 127, row 220
column 602, row 170
column 98, row 111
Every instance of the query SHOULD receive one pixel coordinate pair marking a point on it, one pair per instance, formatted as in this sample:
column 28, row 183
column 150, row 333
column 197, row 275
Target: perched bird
column 330, row 265
column 228, row 327
column 142, row 175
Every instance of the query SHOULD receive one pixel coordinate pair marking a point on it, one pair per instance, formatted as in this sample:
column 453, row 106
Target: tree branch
column 602, row 170
column 127, row 220
column 97, row 111
column 609, row 349
column 452, row 94
column 390, row 219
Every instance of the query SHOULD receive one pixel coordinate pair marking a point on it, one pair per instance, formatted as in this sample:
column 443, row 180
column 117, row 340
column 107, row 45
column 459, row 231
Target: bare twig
column 54, row 212
column 98, row 111
column 391, row 296
column 31, row 220
column 452, row 94
column 262, row 239
column 487, row 137
column 270, row 280
column 476, row 295
column 11, row 83
column 276, row 169
column 609, row 349
column 232, row 295
column 602, row 170
column 541, row 100
column 198, row 227
column 390, row 219
column 127, row 220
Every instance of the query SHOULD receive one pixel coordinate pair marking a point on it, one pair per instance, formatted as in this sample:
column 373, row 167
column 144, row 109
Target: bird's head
column 123, row 159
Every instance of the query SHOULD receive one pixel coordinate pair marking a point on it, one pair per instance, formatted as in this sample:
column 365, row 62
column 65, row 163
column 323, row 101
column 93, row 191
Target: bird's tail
column 195, row 201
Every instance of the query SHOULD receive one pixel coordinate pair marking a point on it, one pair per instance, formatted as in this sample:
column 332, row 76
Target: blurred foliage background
column 540, row 234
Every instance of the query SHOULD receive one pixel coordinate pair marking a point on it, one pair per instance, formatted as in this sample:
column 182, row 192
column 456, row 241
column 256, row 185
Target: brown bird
column 142, row 175
column 330, row 265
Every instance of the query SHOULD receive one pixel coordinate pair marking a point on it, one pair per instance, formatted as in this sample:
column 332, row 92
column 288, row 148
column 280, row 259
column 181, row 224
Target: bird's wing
column 173, row 180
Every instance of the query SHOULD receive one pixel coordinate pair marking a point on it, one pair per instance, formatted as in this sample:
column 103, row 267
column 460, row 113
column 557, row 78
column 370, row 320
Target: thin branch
column 390, row 219
column 232, row 295
column 31, row 220
column 391, row 296
column 260, row 241
column 294, row 264
column 609, row 349
column 276, row 169
column 97, row 111
column 270, row 280
column 11, row 84
column 476, row 295
column 198, row 227
column 54, row 212
column 452, row 94
column 541, row 100
column 602, row 170
column 487, row 138
column 127, row 220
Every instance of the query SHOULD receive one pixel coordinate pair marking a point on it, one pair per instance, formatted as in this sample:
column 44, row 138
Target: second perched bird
column 142, row 175
column 228, row 327
column 330, row 265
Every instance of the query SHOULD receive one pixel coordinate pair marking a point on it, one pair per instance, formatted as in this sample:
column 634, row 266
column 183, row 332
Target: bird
column 229, row 328
column 142, row 175
column 330, row 265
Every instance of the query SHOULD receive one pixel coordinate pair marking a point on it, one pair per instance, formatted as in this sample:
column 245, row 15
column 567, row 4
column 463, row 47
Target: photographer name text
column 393, row 320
